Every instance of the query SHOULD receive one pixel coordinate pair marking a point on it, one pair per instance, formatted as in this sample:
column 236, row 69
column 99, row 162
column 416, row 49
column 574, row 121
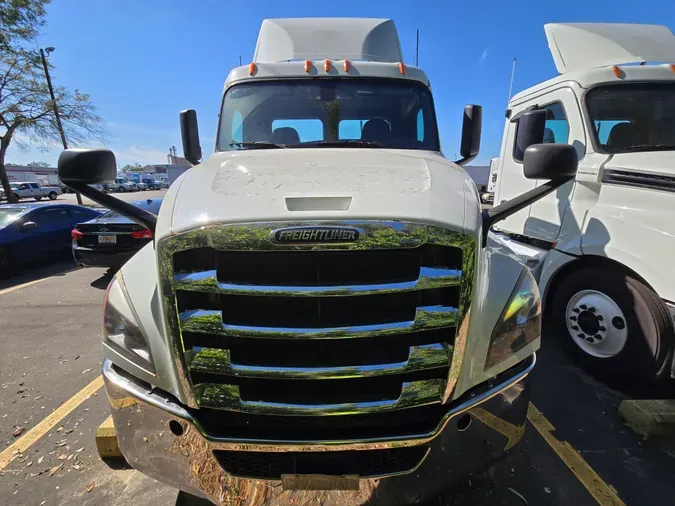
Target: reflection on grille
column 352, row 330
column 365, row 464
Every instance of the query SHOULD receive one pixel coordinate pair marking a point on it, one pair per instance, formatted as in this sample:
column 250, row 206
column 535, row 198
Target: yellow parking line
column 20, row 446
column 35, row 281
column 601, row 492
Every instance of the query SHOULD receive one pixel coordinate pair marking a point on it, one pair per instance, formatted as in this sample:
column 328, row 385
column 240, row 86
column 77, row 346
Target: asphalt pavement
column 577, row 453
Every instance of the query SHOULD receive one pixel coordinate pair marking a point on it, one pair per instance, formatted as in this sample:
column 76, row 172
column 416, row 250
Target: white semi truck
column 321, row 315
column 602, row 243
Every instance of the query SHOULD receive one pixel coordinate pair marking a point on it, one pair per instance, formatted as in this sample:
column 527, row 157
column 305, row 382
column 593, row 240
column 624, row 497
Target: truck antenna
column 240, row 61
column 417, row 49
column 513, row 73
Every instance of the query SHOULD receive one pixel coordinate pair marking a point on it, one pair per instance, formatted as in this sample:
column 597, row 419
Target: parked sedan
column 33, row 232
column 111, row 239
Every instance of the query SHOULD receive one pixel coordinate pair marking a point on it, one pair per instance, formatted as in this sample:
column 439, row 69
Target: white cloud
column 484, row 55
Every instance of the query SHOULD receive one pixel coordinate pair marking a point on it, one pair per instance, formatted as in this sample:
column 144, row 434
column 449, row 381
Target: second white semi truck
column 603, row 242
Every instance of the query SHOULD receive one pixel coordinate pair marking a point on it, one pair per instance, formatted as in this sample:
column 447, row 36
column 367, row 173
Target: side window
column 556, row 130
column 237, row 126
column 307, row 129
column 603, row 127
column 35, row 186
column 24, row 187
column 420, row 126
column 52, row 217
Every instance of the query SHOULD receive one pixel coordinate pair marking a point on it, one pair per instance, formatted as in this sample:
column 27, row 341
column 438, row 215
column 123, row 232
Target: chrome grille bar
column 207, row 281
column 211, row 322
column 215, row 361
column 413, row 394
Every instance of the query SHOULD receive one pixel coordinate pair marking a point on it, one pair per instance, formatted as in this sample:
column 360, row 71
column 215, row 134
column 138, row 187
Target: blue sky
column 144, row 61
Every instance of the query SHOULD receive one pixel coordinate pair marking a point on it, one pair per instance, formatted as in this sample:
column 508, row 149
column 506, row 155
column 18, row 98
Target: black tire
column 646, row 356
column 122, row 189
column 52, row 195
column 17, row 197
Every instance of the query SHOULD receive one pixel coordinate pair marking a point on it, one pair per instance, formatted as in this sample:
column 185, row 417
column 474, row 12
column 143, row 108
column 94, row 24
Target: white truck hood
column 328, row 184
column 580, row 46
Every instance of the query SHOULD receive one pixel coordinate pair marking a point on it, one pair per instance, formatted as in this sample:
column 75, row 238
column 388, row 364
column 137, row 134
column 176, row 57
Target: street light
column 48, row 50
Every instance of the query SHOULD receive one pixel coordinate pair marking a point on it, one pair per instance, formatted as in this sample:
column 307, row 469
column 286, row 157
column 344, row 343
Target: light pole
column 54, row 105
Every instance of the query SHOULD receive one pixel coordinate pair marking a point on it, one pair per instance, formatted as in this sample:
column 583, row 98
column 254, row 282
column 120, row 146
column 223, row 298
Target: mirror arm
column 463, row 161
column 140, row 216
column 503, row 211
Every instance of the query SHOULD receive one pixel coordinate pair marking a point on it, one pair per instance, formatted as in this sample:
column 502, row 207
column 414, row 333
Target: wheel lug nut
column 574, row 327
column 599, row 317
column 602, row 328
column 583, row 306
column 573, row 318
column 591, row 309
column 598, row 337
column 581, row 336
column 576, row 310
column 590, row 340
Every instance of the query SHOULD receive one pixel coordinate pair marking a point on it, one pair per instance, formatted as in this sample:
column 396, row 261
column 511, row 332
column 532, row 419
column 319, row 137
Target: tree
column 25, row 104
column 136, row 167
column 37, row 164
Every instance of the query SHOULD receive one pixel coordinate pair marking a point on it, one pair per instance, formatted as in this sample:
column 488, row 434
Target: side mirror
column 471, row 130
column 189, row 132
column 80, row 168
column 550, row 161
column 531, row 126
column 29, row 225
column 556, row 163
column 87, row 166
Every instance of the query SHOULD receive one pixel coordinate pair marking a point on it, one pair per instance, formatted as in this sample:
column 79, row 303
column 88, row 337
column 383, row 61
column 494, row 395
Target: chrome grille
column 314, row 330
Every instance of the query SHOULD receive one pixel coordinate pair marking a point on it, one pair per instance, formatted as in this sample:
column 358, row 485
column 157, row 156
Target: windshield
column 9, row 215
column 328, row 112
column 628, row 118
column 151, row 205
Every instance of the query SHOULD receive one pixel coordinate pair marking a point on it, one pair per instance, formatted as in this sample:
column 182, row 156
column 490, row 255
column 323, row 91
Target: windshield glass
column 9, row 215
column 151, row 205
column 328, row 112
column 633, row 117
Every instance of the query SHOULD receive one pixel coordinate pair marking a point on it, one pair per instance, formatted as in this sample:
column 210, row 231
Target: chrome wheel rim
column 596, row 324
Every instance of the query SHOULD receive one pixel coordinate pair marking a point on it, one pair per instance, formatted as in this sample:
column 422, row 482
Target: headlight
column 121, row 328
column 519, row 323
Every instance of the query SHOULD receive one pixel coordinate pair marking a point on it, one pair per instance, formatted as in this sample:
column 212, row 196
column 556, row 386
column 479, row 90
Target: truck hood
column 651, row 161
column 322, row 184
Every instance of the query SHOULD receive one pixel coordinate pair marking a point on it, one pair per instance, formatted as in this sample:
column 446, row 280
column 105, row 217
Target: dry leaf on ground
column 91, row 486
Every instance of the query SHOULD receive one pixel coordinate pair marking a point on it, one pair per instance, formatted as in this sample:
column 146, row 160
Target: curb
column 106, row 440
column 649, row 417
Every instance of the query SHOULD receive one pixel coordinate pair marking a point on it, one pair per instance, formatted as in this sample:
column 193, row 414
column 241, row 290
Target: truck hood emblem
column 311, row 235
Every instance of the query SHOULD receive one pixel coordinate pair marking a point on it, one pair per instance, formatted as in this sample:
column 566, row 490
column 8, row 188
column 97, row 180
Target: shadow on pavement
column 38, row 271
column 102, row 282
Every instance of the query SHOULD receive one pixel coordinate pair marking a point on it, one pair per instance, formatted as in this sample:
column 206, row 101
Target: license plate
column 107, row 239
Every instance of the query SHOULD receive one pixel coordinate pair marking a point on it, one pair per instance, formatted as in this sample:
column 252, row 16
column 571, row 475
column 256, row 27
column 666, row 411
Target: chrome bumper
column 477, row 429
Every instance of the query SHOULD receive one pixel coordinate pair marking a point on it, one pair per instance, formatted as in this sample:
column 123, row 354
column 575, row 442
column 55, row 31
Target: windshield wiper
column 257, row 144
column 350, row 143
column 646, row 147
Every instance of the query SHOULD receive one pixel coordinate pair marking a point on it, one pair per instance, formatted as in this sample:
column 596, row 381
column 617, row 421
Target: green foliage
column 38, row 164
column 133, row 168
column 20, row 21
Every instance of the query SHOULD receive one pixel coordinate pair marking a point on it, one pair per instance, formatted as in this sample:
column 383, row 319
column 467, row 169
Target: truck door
column 563, row 126
column 511, row 181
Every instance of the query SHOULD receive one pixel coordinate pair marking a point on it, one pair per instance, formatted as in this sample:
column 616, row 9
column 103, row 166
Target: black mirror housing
column 192, row 151
column 550, row 161
column 471, row 132
column 87, row 166
column 531, row 126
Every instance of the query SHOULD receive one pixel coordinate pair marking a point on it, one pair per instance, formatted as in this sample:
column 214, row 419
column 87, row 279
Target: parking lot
column 575, row 449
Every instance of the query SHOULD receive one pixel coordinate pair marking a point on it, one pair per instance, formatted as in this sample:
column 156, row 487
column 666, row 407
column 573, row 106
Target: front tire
column 614, row 326
column 52, row 195
column 122, row 189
